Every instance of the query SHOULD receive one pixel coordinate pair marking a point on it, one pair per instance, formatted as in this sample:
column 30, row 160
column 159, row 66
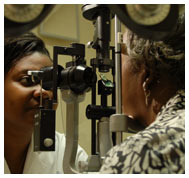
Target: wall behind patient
column 65, row 20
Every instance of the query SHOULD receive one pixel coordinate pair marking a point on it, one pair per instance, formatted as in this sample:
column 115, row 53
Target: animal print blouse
column 160, row 148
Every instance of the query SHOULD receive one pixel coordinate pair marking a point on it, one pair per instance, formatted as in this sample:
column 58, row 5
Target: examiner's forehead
column 34, row 61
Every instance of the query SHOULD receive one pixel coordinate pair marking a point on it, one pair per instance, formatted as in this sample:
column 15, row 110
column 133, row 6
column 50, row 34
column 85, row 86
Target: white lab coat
column 48, row 162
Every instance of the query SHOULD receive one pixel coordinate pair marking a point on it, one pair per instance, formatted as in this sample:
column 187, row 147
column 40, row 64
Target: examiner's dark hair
column 18, row 47
column 158, row 56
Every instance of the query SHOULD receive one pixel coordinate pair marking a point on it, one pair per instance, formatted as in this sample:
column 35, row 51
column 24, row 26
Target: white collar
column 29, row 158
column 6, row 167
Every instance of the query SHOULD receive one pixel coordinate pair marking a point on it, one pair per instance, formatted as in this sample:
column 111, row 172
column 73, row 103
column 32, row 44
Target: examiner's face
column 21, row 97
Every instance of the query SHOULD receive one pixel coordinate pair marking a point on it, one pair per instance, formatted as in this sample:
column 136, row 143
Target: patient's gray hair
column 158, row 55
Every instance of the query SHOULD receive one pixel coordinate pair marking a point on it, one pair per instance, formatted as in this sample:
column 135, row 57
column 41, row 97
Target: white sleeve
column 80, row 157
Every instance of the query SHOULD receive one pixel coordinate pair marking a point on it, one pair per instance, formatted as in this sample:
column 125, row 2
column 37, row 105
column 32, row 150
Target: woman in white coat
column 21, row 101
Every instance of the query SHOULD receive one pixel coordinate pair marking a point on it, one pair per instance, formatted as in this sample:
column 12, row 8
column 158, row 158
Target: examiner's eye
column 27, row 81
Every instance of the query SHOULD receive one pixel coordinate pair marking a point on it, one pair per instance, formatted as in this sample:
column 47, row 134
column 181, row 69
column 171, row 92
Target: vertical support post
column 118, row 74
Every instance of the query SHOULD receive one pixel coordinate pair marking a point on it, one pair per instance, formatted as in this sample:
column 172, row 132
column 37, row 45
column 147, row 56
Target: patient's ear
column 147, row 79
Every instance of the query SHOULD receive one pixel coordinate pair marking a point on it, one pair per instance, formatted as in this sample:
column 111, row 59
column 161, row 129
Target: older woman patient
column 153, row 93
